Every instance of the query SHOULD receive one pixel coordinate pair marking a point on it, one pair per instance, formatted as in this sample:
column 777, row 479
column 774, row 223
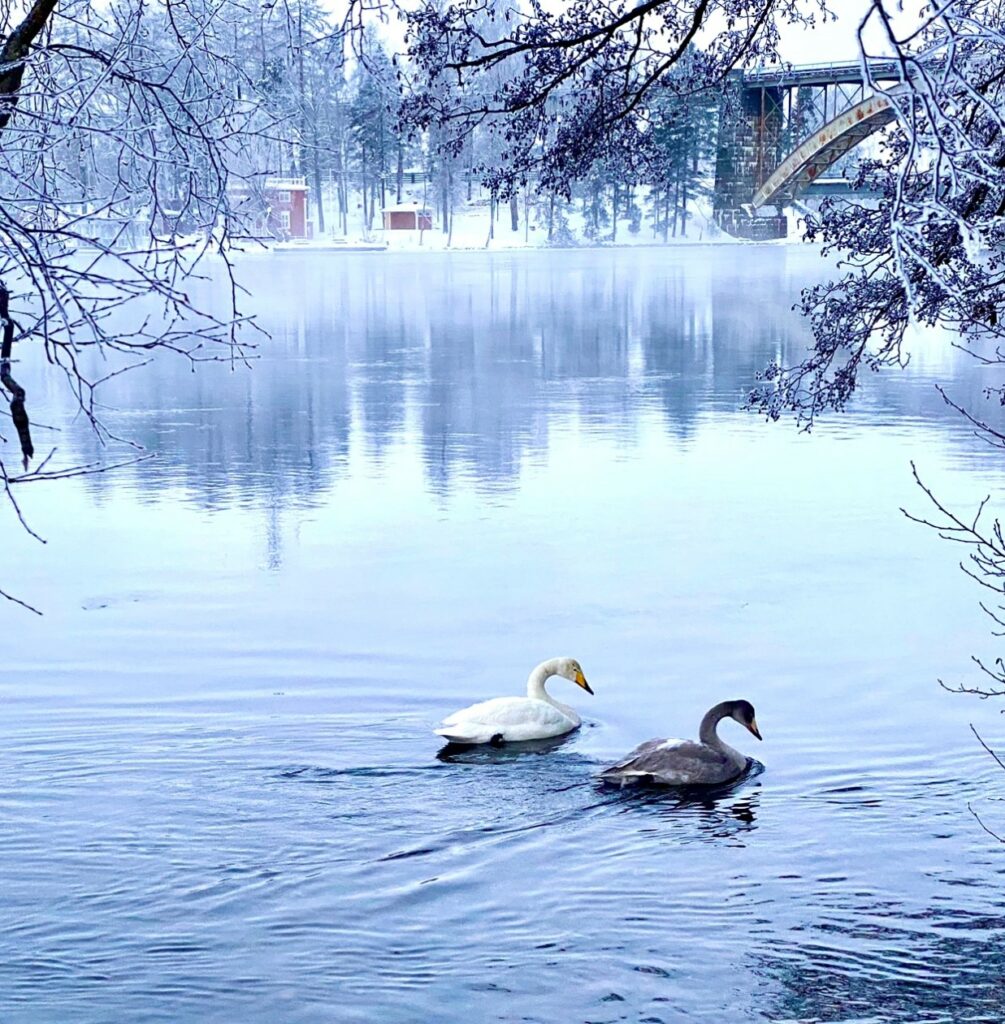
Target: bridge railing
column 787, row 75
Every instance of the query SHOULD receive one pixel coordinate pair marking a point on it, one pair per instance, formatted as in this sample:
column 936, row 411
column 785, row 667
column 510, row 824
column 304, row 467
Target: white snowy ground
column 471, row 230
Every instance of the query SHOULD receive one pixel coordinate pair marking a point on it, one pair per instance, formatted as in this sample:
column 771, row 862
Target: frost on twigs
column 928, row 250
column 983, row 542
column 121, row 126
column 560, row 85
column 981, row 538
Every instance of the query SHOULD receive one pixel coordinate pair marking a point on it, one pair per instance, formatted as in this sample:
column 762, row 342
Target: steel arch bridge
column 803, row 166
column 780, row 129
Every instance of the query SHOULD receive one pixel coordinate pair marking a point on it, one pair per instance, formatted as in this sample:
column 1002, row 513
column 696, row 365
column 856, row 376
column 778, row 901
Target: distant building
column 274, row 208
column 407, row 218
column 409, row 176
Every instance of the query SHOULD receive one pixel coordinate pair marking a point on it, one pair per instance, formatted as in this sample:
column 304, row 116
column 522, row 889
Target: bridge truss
column 823, row 148
column 791, row 124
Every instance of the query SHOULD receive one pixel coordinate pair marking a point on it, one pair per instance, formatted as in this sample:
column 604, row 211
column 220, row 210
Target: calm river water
column 220, row 798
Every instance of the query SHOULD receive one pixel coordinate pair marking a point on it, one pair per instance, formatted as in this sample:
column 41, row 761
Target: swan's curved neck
column 535, row 688
column 537, row 679
column 708, row 735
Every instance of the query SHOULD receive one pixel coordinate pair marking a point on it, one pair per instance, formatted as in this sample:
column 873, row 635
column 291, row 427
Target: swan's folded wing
column 672, row 762
column 504, row 711
column 635, row 763
column 513, row 718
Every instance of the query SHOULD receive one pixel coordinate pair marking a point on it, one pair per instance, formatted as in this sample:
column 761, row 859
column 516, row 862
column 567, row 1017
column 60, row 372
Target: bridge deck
column 788, row 75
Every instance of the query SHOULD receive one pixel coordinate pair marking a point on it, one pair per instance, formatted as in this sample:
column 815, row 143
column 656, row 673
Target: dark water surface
column 220, row 799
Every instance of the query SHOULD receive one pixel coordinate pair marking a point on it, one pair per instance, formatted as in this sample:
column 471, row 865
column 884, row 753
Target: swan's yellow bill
column 580, row 680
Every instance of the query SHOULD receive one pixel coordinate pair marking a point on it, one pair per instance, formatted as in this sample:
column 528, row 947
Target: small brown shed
column 407, row 218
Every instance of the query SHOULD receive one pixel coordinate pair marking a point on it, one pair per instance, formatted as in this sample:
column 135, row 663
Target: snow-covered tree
column 120, row 127
column 372, row 117
column 929, row 251
column 557, row 81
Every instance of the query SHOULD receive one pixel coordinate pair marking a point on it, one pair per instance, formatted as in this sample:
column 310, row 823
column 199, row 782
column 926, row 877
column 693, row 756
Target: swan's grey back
column 674, row 762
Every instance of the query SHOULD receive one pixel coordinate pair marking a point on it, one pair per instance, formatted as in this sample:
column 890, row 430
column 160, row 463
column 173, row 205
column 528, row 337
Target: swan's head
column 570, row 669
column 743, row 712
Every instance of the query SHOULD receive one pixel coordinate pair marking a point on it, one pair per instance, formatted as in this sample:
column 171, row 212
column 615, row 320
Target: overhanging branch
column 18, row 413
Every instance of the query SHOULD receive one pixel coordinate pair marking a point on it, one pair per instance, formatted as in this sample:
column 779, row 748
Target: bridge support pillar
column 750, row 134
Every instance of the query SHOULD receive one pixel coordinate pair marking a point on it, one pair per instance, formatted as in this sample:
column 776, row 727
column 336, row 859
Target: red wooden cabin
column 407, row 218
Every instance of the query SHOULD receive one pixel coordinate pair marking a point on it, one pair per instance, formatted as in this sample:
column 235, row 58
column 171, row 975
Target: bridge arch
column 762, row 108
column 828, row 144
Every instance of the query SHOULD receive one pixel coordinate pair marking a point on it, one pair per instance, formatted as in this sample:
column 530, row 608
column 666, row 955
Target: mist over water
column 220, row 794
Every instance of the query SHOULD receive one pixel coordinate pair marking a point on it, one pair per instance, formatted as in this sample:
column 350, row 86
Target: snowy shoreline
column 410, row 250
column 479, row 226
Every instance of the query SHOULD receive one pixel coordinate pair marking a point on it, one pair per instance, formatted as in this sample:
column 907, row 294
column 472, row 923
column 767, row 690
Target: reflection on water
column 456, row 753
column 471, row 361
column 717, row 813
column 220, row 791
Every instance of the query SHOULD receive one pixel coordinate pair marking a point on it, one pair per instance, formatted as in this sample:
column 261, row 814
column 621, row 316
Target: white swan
column 538, row 716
